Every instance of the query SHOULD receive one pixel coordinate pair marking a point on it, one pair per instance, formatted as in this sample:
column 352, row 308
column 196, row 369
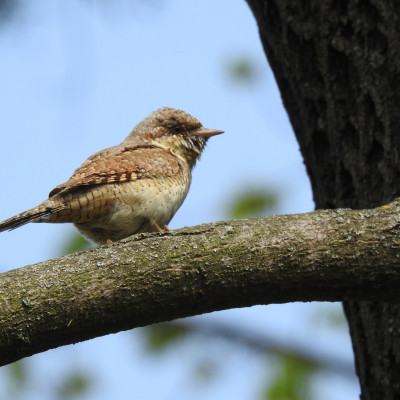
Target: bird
column 134, row 187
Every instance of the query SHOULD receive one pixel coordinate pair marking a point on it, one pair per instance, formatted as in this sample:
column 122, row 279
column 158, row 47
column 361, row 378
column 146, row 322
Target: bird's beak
column 206, row 133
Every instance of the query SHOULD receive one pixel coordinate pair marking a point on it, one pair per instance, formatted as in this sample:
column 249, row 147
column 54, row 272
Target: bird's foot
column 157, row 227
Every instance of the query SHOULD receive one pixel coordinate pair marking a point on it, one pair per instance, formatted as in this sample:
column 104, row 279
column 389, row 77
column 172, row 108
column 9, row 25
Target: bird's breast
column 135, row 204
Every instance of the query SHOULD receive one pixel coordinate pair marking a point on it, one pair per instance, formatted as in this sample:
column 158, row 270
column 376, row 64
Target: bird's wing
column 128, row 164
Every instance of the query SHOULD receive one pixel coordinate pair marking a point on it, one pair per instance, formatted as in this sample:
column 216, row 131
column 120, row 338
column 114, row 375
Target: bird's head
column 175, row 131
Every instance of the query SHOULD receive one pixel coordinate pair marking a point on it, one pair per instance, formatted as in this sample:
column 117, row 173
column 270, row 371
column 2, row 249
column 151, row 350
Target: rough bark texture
column 337, row 63
column 325, row 255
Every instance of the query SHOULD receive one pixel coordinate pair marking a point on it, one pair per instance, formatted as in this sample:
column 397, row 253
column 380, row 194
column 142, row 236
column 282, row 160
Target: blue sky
column 75, row 77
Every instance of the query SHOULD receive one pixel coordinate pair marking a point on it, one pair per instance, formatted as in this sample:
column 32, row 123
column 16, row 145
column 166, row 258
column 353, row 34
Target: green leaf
column 18, row 372
column 331, row 316
column 159, row 337
column 17, row 379
column 253, row 202
column 75, row 243
column 205, row 371
column 74, row 385
column 242, row 70
column 292, row 381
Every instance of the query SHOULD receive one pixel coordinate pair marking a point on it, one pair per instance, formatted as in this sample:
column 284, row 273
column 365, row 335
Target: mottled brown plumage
column 134, row 187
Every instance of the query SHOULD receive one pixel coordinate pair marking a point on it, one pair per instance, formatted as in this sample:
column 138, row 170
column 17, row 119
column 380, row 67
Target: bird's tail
column 40, row 213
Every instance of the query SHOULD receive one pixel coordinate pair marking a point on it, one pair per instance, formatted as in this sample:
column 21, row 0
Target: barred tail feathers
column 35, row 214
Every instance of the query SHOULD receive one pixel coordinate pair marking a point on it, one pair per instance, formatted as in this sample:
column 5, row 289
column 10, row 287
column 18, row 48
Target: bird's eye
column 177, row 129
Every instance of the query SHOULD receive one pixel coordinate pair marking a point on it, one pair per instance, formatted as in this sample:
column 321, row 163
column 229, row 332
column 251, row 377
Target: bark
column 338, row 68
column 325, row 256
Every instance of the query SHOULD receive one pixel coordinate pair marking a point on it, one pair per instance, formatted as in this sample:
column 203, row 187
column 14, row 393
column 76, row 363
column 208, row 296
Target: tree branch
column 329, row 255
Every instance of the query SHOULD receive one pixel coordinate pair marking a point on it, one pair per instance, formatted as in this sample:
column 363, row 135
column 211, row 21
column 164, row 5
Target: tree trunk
column 337, row 65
